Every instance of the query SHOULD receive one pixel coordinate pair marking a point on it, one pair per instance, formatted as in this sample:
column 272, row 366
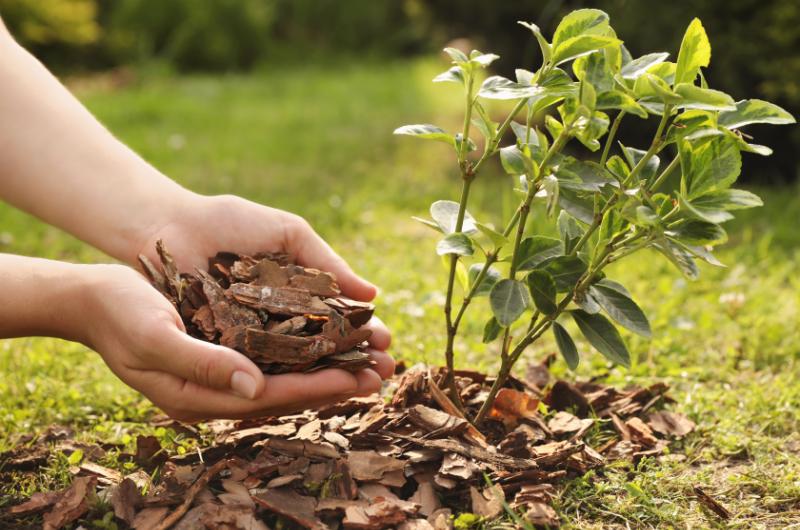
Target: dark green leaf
column 603, row 336
column 543, row 291
column 455, row 243
column 579, row 207
column 698, row 232
column 566, row 346
column 491, row 277
column 535, row 250
column 570, row 231
column 619, row 306
column 680, row 257
column 508, row 299
column 513, row 161
column 566, row 271
column 491, row 330
column 754, row 111
column 633, row 157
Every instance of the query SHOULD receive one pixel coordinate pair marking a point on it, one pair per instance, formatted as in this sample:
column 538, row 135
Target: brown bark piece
column 318, row 284
column 191, row 493
column 286, row 301
column 370, row 465
column 276, row 348
column 710, row 503
column 640, row 432
column 38, row 502
column 292, row 505
column 487, row 503
column 171, row 274
column 669, row 423
column 126, row 499
column 71, row 505
column 270, row 274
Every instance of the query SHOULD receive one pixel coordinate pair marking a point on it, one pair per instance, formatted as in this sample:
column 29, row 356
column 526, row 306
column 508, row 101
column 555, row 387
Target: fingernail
column 243, row 384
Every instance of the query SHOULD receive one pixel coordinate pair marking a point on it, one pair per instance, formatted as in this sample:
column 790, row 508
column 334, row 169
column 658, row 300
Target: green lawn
column 317, row 140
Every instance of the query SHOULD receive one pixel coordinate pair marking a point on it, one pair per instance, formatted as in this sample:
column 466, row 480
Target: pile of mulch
column 406, row 460
column 285, row 317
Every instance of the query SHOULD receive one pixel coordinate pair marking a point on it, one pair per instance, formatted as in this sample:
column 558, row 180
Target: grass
column 316, row 140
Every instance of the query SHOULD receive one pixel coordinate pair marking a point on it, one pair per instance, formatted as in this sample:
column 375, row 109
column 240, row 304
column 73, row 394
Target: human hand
column 141, row 337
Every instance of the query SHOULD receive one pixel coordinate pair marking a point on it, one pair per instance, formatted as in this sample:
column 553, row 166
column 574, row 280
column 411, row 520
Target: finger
column 369, row 382
column 209, row 365
column 381, row 338
column 384, row 363
column 283, row 394
column 312, row 251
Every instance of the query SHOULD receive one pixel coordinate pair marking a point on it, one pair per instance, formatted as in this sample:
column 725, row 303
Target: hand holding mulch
column 284, row 317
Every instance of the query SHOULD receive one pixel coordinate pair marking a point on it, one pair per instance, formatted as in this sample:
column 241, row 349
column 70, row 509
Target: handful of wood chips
column 285, row 317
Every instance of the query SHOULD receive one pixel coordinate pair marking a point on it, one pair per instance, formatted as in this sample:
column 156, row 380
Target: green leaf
column 426, row 131
column 445, row 214
column 698, row 98
column 482, row 59
column 461, row 274
column 697, row 232
column 75, row 457
column 566, row 271
column 619, row 306
column 498, row 87
column 566, row 346
column 491, row 330
column 695, row 53
column 615, row 99
column 593, row 69
column 491, row 277
column 428, row 223
column 578, row 175
column 712, row 164
column 645, row 216
column 455, row 243
column 633, row 156
column 611, row 225
column 497, row 239
column 508, row 299
column 569, row 230
column 638, row 66
column 679, row 257
column 456, row 55
column 544, row 46
column 581, row 45
column 513, row 161
column 543, row 291
column 603, row 336
column 580, row 22
column 535, row 250
column 651, row 86
column 581, row 207
column 714, row 207
column 453, row 75
column 754, row 111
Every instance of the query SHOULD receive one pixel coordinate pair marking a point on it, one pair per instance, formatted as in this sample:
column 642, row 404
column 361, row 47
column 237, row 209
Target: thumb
column 210, row 365
column 313, row 251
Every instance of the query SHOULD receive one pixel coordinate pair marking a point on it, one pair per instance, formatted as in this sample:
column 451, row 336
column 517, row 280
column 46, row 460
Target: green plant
column 605, row 209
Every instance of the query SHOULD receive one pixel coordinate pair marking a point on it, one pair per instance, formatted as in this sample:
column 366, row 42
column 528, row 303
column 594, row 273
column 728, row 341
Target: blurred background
column 292, row 103
column 756, row 43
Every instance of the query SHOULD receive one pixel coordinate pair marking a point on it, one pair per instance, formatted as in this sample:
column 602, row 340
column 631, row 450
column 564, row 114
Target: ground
column 317, row 140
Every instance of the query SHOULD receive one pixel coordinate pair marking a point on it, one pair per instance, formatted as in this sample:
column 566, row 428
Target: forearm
column 42, row 297
column 60, row 164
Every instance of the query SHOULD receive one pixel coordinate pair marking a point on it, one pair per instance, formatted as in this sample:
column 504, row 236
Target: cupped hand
column 142, row 339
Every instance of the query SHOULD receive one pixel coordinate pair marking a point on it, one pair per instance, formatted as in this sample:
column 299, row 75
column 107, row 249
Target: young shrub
column 671, row 195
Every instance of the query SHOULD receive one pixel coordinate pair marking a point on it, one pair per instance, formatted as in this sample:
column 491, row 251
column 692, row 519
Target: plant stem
column 536, row 331
column 664, row 174
column 612, row 133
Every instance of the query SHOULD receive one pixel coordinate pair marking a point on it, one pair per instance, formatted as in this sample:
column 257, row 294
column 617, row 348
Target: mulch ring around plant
column 406, row 460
